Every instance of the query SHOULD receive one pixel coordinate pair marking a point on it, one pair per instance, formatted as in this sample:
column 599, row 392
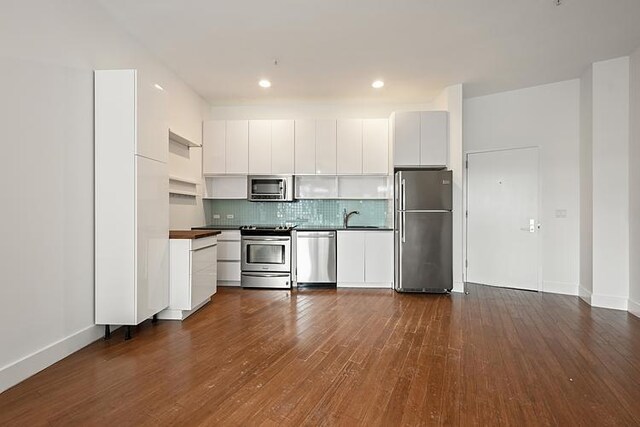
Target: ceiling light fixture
column 377, row 84
column 264, row 83
column 157, row 86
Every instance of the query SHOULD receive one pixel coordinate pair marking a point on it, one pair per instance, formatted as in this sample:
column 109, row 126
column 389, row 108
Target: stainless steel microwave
column 276, row 188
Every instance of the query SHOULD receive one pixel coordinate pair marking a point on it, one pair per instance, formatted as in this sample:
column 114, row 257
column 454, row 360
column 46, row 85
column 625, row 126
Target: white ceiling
column 331, row 50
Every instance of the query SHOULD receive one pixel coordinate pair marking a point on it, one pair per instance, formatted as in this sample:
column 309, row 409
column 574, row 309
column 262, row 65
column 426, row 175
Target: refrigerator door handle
column 404, row 198
column 402, row 227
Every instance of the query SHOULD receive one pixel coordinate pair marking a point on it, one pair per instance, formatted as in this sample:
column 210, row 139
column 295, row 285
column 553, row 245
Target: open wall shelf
column 181, row 140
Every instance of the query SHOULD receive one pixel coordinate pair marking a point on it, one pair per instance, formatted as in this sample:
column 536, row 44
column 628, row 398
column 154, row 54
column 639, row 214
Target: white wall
column 611, row 183
column 634, row 185
column 451, row 100
column 546, row 117
column 46, row 178
column 586, row 185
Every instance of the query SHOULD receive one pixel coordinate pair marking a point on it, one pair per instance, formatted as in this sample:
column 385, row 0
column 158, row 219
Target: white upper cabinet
column 406, row 149
column 237, row 147
column 260, row 147
column 349, row 147
column 213, row 147
column 271, row 147
column 282, row 147
column 305, row 147
column 375, row 147
column 434, row 138
column 326, row 147
column 420, row 138
column 301, row 147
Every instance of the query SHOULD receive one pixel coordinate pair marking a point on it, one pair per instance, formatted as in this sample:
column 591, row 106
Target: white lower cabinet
column 193, row 276
column 365, row 259
column 229, row 258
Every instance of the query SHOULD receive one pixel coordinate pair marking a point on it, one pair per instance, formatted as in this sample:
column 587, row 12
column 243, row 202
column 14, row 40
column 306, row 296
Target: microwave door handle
column 284, row 189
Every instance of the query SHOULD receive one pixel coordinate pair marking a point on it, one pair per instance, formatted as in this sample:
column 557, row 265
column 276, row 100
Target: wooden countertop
column 192, row 234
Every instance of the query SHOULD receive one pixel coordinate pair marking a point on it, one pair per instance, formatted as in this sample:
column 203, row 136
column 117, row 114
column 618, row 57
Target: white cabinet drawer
column 229, row 271
column 229, row 236
column 203, row 242
column 228, row 251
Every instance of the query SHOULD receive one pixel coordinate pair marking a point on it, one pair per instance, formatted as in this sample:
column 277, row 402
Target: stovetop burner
column 266, row 229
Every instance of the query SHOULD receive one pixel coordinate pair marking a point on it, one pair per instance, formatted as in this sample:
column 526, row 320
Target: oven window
column 265, row 254
column 265, row 186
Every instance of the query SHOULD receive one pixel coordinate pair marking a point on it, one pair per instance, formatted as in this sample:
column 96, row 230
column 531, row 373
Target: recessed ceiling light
column 377, row 84
column 157, row 86
column 264, row 83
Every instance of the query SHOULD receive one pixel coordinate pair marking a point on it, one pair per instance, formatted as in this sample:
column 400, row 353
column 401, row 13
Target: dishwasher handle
column 316, row 234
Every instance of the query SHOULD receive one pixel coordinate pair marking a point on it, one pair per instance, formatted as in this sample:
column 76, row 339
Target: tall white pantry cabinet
column 131, row 199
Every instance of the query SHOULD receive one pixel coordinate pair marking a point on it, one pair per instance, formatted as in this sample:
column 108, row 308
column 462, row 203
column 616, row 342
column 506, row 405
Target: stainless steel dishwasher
column 316, row 257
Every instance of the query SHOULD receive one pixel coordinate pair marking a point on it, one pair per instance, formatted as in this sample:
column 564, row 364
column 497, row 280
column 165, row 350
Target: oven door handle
column 266, row 274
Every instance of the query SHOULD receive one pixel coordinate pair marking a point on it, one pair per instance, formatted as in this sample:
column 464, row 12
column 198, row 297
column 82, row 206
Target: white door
column 152, row 252
column 305, row 147
column 213, row 147
column 349, row 147
column 326, row 147
column 406, row 147
column 282, row 147
column 434, row 138
column 260, row 147
column 237, row 147
column 378, row 258
column 375, row 146
column 502, row 233
column 350, row 257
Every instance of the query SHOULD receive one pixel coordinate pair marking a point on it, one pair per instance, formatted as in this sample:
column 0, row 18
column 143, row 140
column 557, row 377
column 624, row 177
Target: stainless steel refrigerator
column 423, row 231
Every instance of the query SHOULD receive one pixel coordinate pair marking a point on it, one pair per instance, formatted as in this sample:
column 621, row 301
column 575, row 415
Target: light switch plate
column 561, row 213
column 230, row 216
column 216, row 216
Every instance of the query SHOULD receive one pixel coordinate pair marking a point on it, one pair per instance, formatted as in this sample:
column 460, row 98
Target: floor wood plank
column 352, row 357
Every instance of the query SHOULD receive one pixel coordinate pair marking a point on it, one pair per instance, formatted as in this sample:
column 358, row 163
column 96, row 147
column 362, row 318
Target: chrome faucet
column 346, row 217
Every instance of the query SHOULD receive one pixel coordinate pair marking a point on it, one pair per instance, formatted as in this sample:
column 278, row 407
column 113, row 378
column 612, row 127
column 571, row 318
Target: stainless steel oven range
column 266, row 257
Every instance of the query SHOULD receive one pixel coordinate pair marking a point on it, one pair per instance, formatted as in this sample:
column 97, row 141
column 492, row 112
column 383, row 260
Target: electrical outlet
column 230, row 216
column 216, row 216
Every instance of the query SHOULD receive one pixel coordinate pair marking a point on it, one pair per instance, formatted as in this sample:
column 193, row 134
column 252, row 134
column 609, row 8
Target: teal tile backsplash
column 301, row 212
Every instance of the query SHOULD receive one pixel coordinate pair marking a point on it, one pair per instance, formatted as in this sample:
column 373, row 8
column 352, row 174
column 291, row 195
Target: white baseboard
column 584, row 294
column 563, row 288
column 22, row 369
column 634, row 307
column 606, row 301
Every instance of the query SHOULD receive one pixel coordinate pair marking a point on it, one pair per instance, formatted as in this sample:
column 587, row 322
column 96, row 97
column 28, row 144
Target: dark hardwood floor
column 349, row 357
